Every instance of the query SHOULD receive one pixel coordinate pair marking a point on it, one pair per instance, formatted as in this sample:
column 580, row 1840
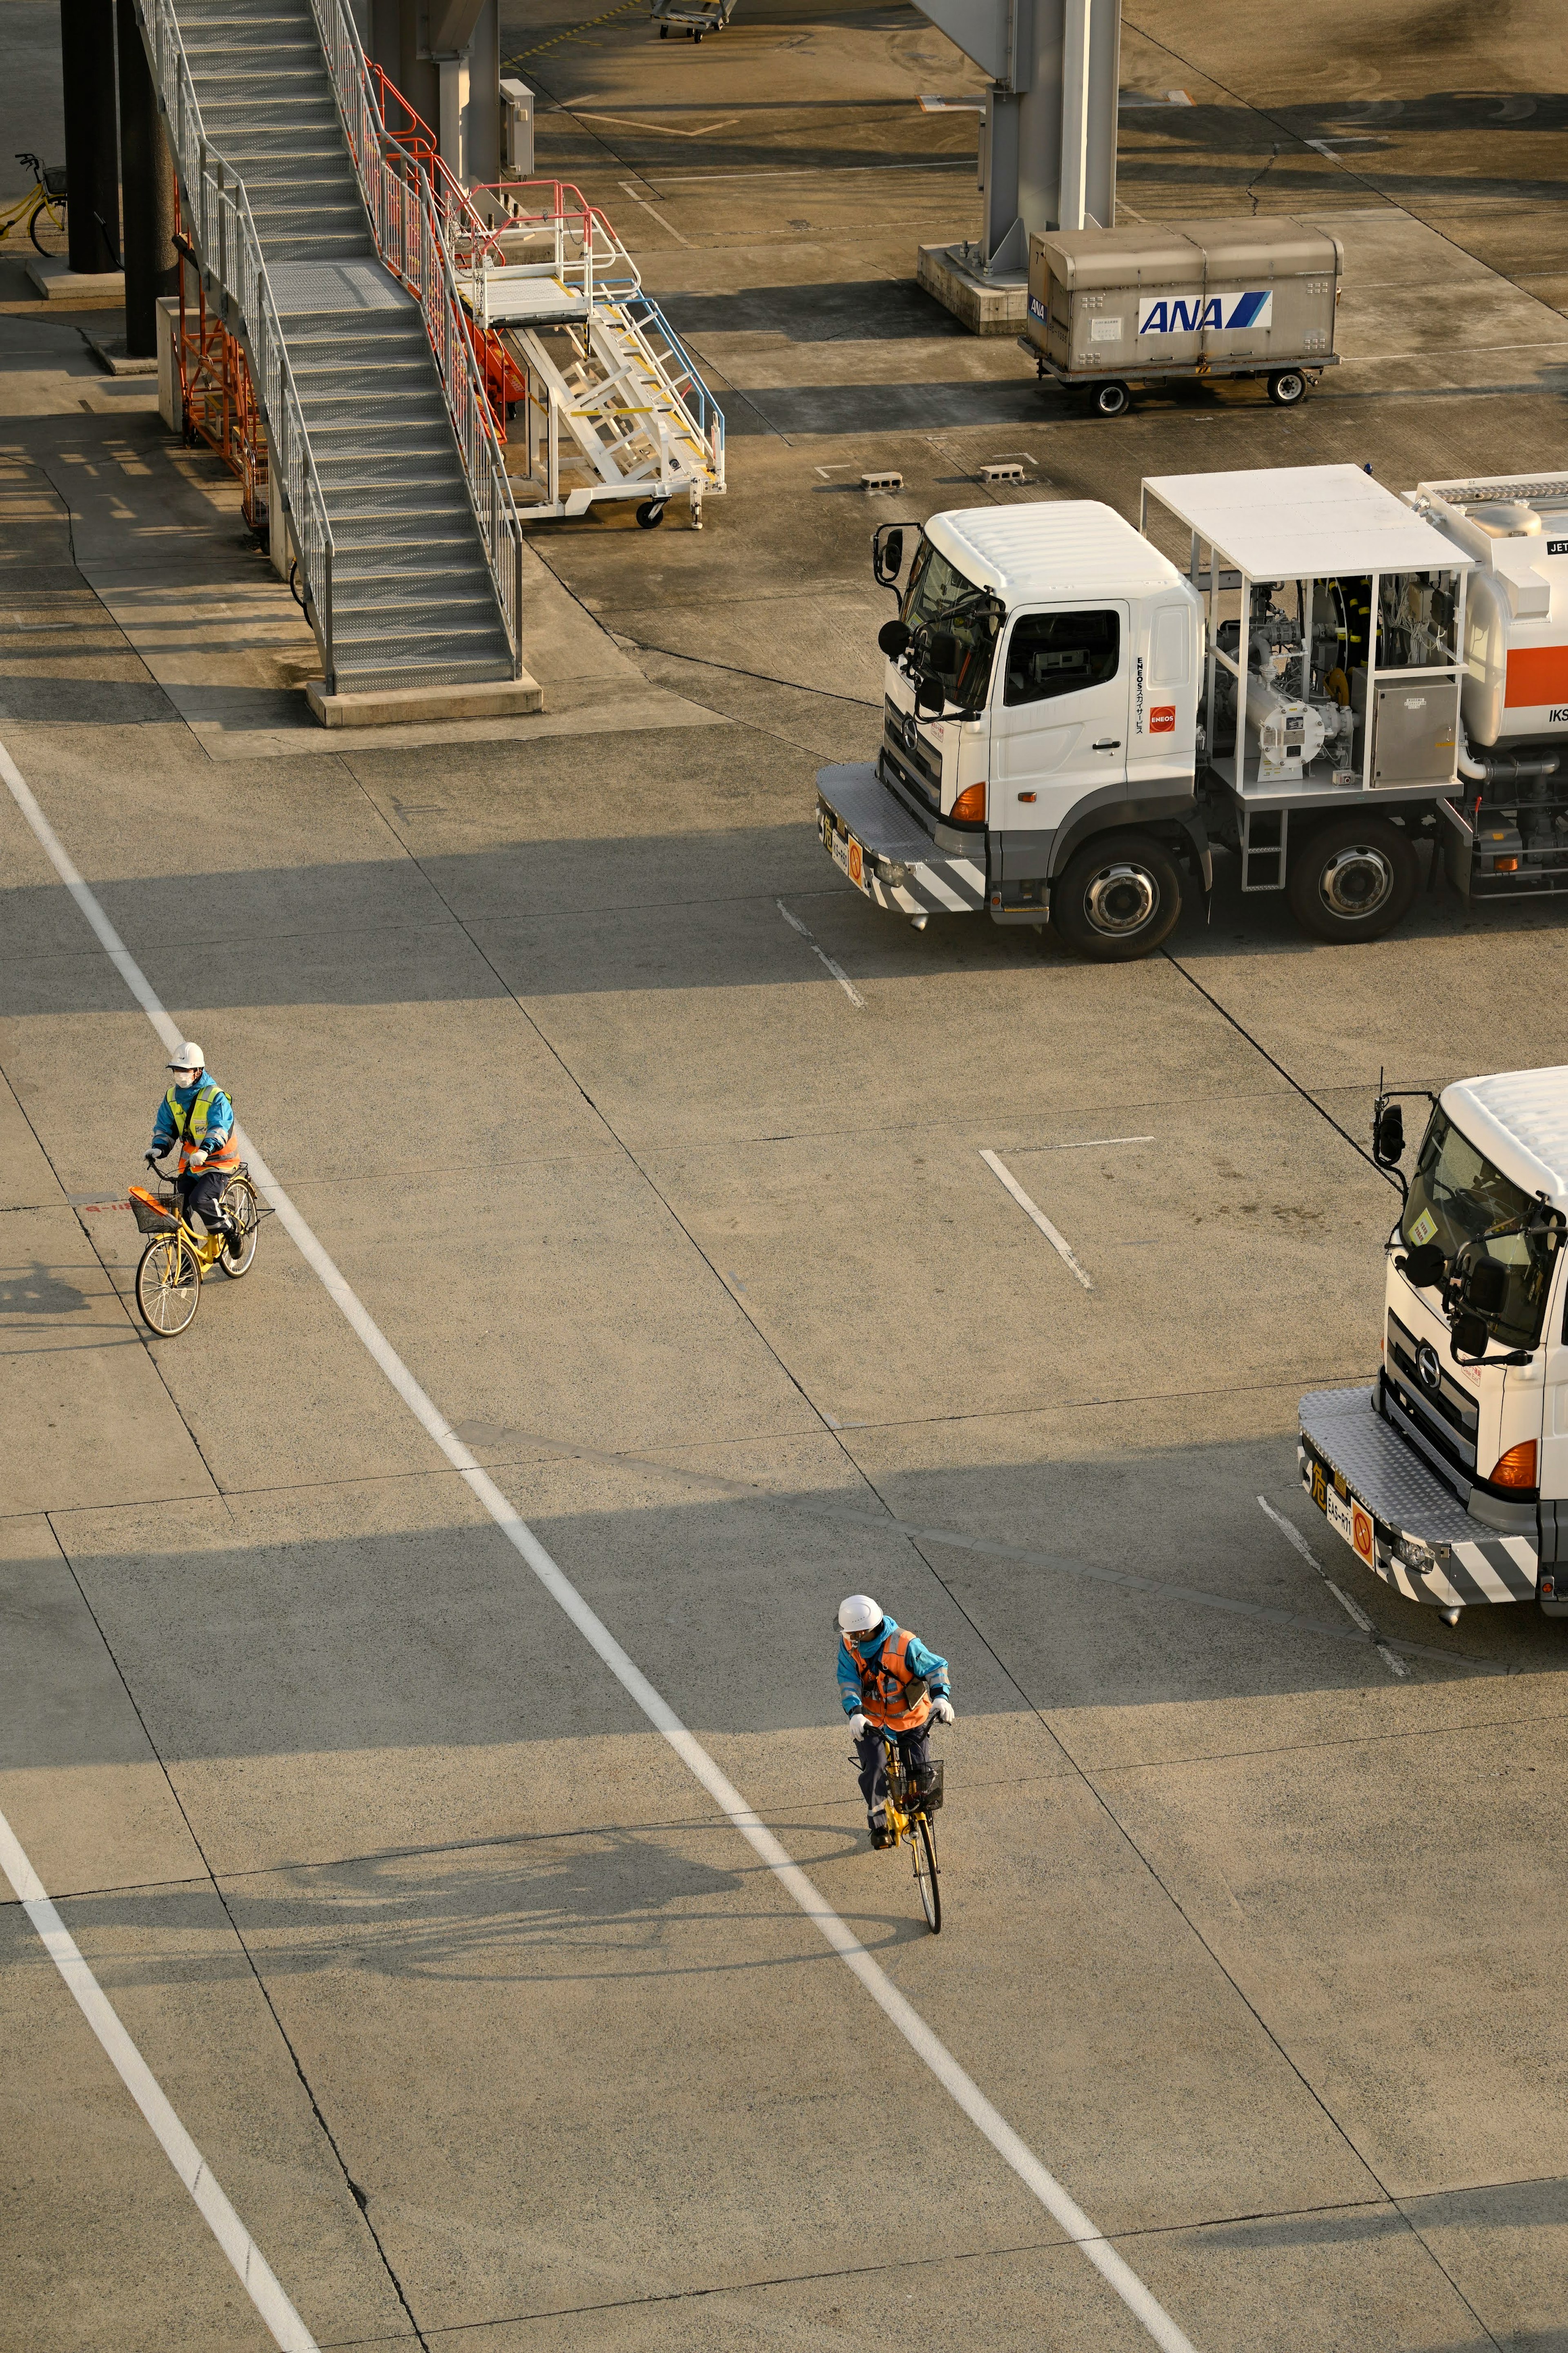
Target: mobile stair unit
column 333, row 271
column 612, row 407
column 589, row 385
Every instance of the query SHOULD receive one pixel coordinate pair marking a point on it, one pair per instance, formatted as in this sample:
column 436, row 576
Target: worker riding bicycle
column 198, row 1116
column 890, row 1683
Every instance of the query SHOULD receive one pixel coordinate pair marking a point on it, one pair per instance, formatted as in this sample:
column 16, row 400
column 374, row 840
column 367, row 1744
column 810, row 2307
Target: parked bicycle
column 45, row 201
column 908, row 1816
column 177, row 1259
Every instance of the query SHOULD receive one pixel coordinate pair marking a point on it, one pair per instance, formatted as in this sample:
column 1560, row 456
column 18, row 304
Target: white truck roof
column 1299, row 523
column 1520, row 1120
column 1052, row 548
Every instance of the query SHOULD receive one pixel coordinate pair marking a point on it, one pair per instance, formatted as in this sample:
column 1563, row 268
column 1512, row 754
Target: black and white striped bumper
column 1396, row 1514
column 872, row 838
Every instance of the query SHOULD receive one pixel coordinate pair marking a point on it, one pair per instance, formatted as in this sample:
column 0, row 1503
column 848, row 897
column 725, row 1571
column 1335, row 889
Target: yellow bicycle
column 908, row 1816
column 45, row 201
column 169, row 1277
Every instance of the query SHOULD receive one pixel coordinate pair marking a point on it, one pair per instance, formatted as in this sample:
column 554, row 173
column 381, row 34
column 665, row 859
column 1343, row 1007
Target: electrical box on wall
column 517, row 129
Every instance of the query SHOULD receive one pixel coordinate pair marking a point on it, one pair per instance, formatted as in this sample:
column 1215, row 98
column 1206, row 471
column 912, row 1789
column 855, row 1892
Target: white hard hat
column 859, row 1614
column 189, row 1057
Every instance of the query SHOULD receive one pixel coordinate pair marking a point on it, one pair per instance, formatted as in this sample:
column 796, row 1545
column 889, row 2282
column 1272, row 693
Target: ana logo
column 1192, row 314
column 1161, row 719
column 1036, row 308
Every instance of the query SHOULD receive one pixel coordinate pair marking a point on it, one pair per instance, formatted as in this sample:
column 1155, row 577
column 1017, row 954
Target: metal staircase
column 406, row 536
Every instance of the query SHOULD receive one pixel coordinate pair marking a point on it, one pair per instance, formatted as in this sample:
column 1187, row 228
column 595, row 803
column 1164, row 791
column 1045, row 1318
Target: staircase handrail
column 409, row 240
column 685, row 384
column 225, row 240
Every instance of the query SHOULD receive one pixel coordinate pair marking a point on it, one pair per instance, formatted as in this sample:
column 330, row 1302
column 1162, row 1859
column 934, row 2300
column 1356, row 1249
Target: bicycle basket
column 54, row 180
column 155, row 1213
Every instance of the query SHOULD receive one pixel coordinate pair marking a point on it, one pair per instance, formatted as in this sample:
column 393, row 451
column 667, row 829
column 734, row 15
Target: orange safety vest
column 222, row 1157
column 882, row 1686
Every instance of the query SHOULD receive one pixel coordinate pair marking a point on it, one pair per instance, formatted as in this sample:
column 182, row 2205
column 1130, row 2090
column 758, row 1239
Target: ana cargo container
column 1073, row 719
column 1112, row 308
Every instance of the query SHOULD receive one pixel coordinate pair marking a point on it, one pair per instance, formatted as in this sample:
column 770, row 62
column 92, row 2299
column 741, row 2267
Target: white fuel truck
column 1449, row 1478
column 1072, row 720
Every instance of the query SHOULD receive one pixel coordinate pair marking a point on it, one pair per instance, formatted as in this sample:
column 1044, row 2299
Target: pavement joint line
column 255, row 2274
column 1353, row 1610
column 1057, row 1241
column 839, row 974
column 900, row 2013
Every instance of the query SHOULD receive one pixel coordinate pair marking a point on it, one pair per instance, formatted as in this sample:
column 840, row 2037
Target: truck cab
column 1449, row 1477
column 1039, row 739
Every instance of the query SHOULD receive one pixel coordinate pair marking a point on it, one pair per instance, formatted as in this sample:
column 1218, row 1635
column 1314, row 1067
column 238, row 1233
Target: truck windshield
column 1458, row 1196
column 939, row 597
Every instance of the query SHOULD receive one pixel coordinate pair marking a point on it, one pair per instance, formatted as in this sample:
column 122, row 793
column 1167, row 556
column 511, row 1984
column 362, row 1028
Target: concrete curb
column 505, row 698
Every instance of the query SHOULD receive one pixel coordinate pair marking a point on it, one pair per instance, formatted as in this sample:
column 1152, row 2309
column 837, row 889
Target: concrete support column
column 151, row 266
column 92, row 139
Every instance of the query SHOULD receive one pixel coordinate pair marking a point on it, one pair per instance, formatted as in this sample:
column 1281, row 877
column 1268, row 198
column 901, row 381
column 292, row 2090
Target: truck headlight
column 1421, row 1557
column 891, row 871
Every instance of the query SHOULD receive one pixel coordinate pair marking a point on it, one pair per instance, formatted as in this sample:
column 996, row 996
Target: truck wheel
column 1112, row 399
column 1353, row 879
column 1286, row 386
column 1117, row 900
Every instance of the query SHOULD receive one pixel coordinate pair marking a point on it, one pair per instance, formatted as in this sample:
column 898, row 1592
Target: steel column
column 92, row 142
column 152, row 265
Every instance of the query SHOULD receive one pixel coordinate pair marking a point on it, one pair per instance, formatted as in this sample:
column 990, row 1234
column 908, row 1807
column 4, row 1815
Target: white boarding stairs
column 614, row 407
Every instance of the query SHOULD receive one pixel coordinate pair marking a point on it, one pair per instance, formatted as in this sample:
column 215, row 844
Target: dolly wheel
column 650, row 514
column 1111, row 400
column 1286, row 386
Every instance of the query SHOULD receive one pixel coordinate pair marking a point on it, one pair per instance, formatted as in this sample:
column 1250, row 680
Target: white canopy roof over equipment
column 1520, row 1120
column 1300, row 522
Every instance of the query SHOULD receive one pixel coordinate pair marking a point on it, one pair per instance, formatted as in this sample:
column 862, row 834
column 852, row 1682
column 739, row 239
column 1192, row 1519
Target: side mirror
column 930, row 702
column 1388, row 1136
column 1424, row 1266
column 1470, row 1338
column 1483, row 1286
column 893, row 638
column 888, row 556
column 943, row 649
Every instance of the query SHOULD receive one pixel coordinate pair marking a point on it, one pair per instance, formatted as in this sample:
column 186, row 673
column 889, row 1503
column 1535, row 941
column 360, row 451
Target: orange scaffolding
column 217, row 396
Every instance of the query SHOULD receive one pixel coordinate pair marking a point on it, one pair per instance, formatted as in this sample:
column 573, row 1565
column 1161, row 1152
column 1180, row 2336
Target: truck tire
column 1286, row 386
column 1111, row 399
column 1353, row 879
column 1118, row 898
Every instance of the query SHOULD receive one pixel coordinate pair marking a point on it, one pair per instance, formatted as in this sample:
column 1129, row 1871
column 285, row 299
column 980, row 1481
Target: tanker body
column 1506, row 834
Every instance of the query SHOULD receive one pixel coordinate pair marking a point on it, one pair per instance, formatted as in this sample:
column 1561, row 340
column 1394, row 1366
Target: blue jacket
column 220, row 1121
column 924, row 1663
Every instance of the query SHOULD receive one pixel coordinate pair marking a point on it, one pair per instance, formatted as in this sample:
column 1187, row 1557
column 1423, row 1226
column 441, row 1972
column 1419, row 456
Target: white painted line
column 839, row 974
column 836, row 1933
column 654, row 215
column 1083, row 1144
column 660, row 130
column 255, row 2274
column 1059, row 1242
column 1353, row 1610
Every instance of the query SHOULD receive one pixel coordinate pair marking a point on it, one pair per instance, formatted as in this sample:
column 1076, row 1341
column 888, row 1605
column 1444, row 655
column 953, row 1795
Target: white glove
column 198, row 1160
column 942, row 1710
column 858, row 1726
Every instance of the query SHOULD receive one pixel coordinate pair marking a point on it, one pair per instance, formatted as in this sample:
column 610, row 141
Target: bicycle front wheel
column 168, row 1285
column 925, row 1873
column 239, row 1202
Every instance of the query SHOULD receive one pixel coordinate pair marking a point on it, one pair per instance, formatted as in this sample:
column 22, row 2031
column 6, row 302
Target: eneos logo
column 1192, row 315
column 1161, row 719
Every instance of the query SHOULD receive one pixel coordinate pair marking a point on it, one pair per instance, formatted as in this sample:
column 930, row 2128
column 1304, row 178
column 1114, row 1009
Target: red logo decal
column 1361, row 1530
column 857, row 864
column 1163, row 719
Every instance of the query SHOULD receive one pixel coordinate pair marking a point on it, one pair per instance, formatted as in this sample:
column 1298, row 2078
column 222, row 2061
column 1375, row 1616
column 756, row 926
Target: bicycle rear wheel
column 44, row 212
column 926, row 1880
column 168, row 1285
column 238, row 1202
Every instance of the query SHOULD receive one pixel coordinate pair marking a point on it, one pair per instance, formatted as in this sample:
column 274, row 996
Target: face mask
column 185, row 1078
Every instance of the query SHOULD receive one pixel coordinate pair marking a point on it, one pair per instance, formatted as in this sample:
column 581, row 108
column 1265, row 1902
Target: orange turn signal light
column 970, row 806
column 1505, row 865
column 1517, row 1467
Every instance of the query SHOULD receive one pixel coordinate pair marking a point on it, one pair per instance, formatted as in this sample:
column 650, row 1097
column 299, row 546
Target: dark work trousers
column 198, row 1194
column 914, row 1747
